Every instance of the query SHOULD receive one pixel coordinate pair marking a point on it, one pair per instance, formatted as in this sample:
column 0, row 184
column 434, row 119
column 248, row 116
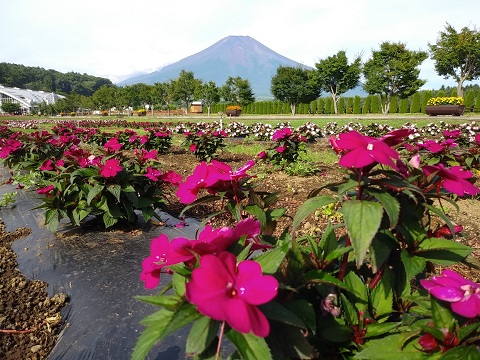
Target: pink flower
column 250, row 228
column 477, row 138
column 153, row 174
column 282, row 148
column 111, row 168
column 432, row 146
column 241, row 172
column 282, row 134
column 213, row 241
column 463, row 294
column 428, row 342
column 163, row 253
column 415, row 161
column 454, row 179
column 10, row 146
column 333, row 143
column 364, row 151
column 262, row 155
column 59, row 162
column 203, row 176
column 224, row 291
column 192, row 148
column 445, row 232
column 47, row 165
column 451, row 134
column 145, row 155
column 172, row 177
column 46, row 190
column 396, row 137
column 112, row 145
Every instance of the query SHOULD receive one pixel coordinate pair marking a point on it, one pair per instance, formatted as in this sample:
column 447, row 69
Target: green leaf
column 381, row 298
column 305, row 311
column 202, row 333
column 413, row 265
column 146, row 340
column 318, row 276
column 349, row 311
column 359, row 289
column 109, row 220
column 258, row 213
column 275, row 311
column 94, row 191
column 179, row 283
column 115, row 190
column 167, row 301
column 328, row 242
column 377, row 329
column 466, row 330
column 392, row 348
column 442, row 251
column 249, row 346
column 442, row 314
column 271, row 260
column 308, row 207
column 390, row 205
column 461, row 353
column 380, row 249
column 363, row 218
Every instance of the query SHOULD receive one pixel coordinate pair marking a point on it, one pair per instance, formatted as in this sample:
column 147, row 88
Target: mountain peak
column 233, row 56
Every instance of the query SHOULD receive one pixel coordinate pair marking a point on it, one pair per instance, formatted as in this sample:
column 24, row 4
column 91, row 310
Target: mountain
column 232, row 56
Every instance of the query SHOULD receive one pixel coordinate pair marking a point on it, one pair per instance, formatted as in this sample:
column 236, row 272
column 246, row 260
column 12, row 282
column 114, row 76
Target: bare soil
column 30, row 320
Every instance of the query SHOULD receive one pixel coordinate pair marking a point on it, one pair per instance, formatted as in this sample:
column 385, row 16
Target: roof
column 30, row 97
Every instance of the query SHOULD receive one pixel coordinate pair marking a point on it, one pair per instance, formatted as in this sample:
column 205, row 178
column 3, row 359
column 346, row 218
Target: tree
column 11, row 107
column 404, row 106
column 336, row 76
column 104, row 98
column 457, row 55
column 209, row 94
column 470, row 100
column 357, row 108
column 184, row 88
column 295, row 85
column 393, row 70
column 237, row 91
column 427, row 95
column 416, row 103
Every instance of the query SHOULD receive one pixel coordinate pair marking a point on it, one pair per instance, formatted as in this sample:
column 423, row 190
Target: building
column 196, row 107
column 29, row 100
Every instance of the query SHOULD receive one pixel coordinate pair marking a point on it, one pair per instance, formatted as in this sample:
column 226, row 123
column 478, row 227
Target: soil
column 30, row 319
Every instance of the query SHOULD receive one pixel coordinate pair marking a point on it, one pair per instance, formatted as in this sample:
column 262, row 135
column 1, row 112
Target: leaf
column 359, row 289
column 258, row 212
column 275, row 311
column 308, row 207
column 318, row 276
column 271, row 260
column 109, row 220
column 461, row 353
column 167, row 301
column 202, row 333
column 328, row 242
column 381, row 298
column 413, row 265
column 442, row 251
column 349, row 311
column 391, row 348
column 363, row 218
column 442, row 314
column 249, row 346
column 377, row 329
column 380, row 249
column 115, row 190
column 304, row 310
column 390, row 205
column 94, row 191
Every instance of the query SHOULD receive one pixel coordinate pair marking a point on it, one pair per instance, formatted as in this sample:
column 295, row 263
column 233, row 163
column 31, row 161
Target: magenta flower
column 163, row 253
column 153, row 174
column 145, row 155
column 112, row 145
column 454, row 179
column 477, row 138
column 172, row 177
column 282, row 148
column 428, row 342
column 47, row 165
column 224, row 291
column 463, row 294
column 250, row 228
column 432, row 146
column 10, row 146
column 364, row 151
column 45, row 190
column 213, row 241
column 192, row 147
column 396, row 137
column 203, row 176
column 452, row 134
column 282, row 134
column 111, row 168
column 262, row 155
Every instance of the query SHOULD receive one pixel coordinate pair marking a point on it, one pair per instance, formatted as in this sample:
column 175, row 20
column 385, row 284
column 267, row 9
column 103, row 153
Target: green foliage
column 184, row 87
column 415, row 106
column 367, row 104
column 404, row 106
column 394, row 105
column 336, row 76
column 357, row 109
column 204, row 145
column 294, row 85
column 11, row 107
column 349, row 108
column 470, row 100
column 237, row 91
column 427, row 95
column 8, row 198
column 375, row 106
column 477, row 102
column 457, row 55
column 393, row 70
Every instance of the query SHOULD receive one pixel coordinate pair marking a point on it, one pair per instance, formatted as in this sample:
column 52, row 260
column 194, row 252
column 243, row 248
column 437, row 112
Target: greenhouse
column 29, row 100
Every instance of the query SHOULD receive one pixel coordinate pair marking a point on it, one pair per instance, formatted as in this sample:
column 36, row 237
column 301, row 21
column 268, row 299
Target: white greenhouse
column 29, row 100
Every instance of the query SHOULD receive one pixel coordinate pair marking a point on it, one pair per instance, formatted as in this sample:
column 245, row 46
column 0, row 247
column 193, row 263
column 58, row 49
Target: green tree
column 357, row 105
column 454, row 93
column 11, row 107
column 349, row 109
column 321, row 106
column 457, row 55
column 404, row 106
column 393, row 70
column 184, row 88
column 104, row 98
column 341, row 106
column 313, row 106
column 294, row 85
column 415, row 106
column 366, row 105
column 336, row 76
column 329, row 105
column 477, row 102
column 470, row 100
column 393, row 105
column 441, row 93
column 237, row 91
column 375, row 106
column 209, row 94
column 427, row 95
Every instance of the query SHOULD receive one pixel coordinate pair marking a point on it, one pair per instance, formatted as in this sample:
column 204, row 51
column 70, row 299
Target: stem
column 343, row 266
column 376, row 279
column 55, row 321
column 219, row 346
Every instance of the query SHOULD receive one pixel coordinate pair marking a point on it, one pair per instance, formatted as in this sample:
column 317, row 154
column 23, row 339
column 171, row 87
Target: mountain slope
column 232, row 56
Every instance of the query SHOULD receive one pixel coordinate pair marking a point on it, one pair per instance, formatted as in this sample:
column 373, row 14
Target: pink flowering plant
column 287, row 147
column 204, row 144
column 356, row 290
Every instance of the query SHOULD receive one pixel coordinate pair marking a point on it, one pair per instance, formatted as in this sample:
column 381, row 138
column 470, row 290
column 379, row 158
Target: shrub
column 445, row 101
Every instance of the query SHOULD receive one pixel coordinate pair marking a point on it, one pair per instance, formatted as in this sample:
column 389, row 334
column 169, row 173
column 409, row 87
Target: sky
column 118, row 39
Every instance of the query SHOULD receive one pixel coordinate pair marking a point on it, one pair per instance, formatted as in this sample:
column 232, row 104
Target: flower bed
column 445, row 106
